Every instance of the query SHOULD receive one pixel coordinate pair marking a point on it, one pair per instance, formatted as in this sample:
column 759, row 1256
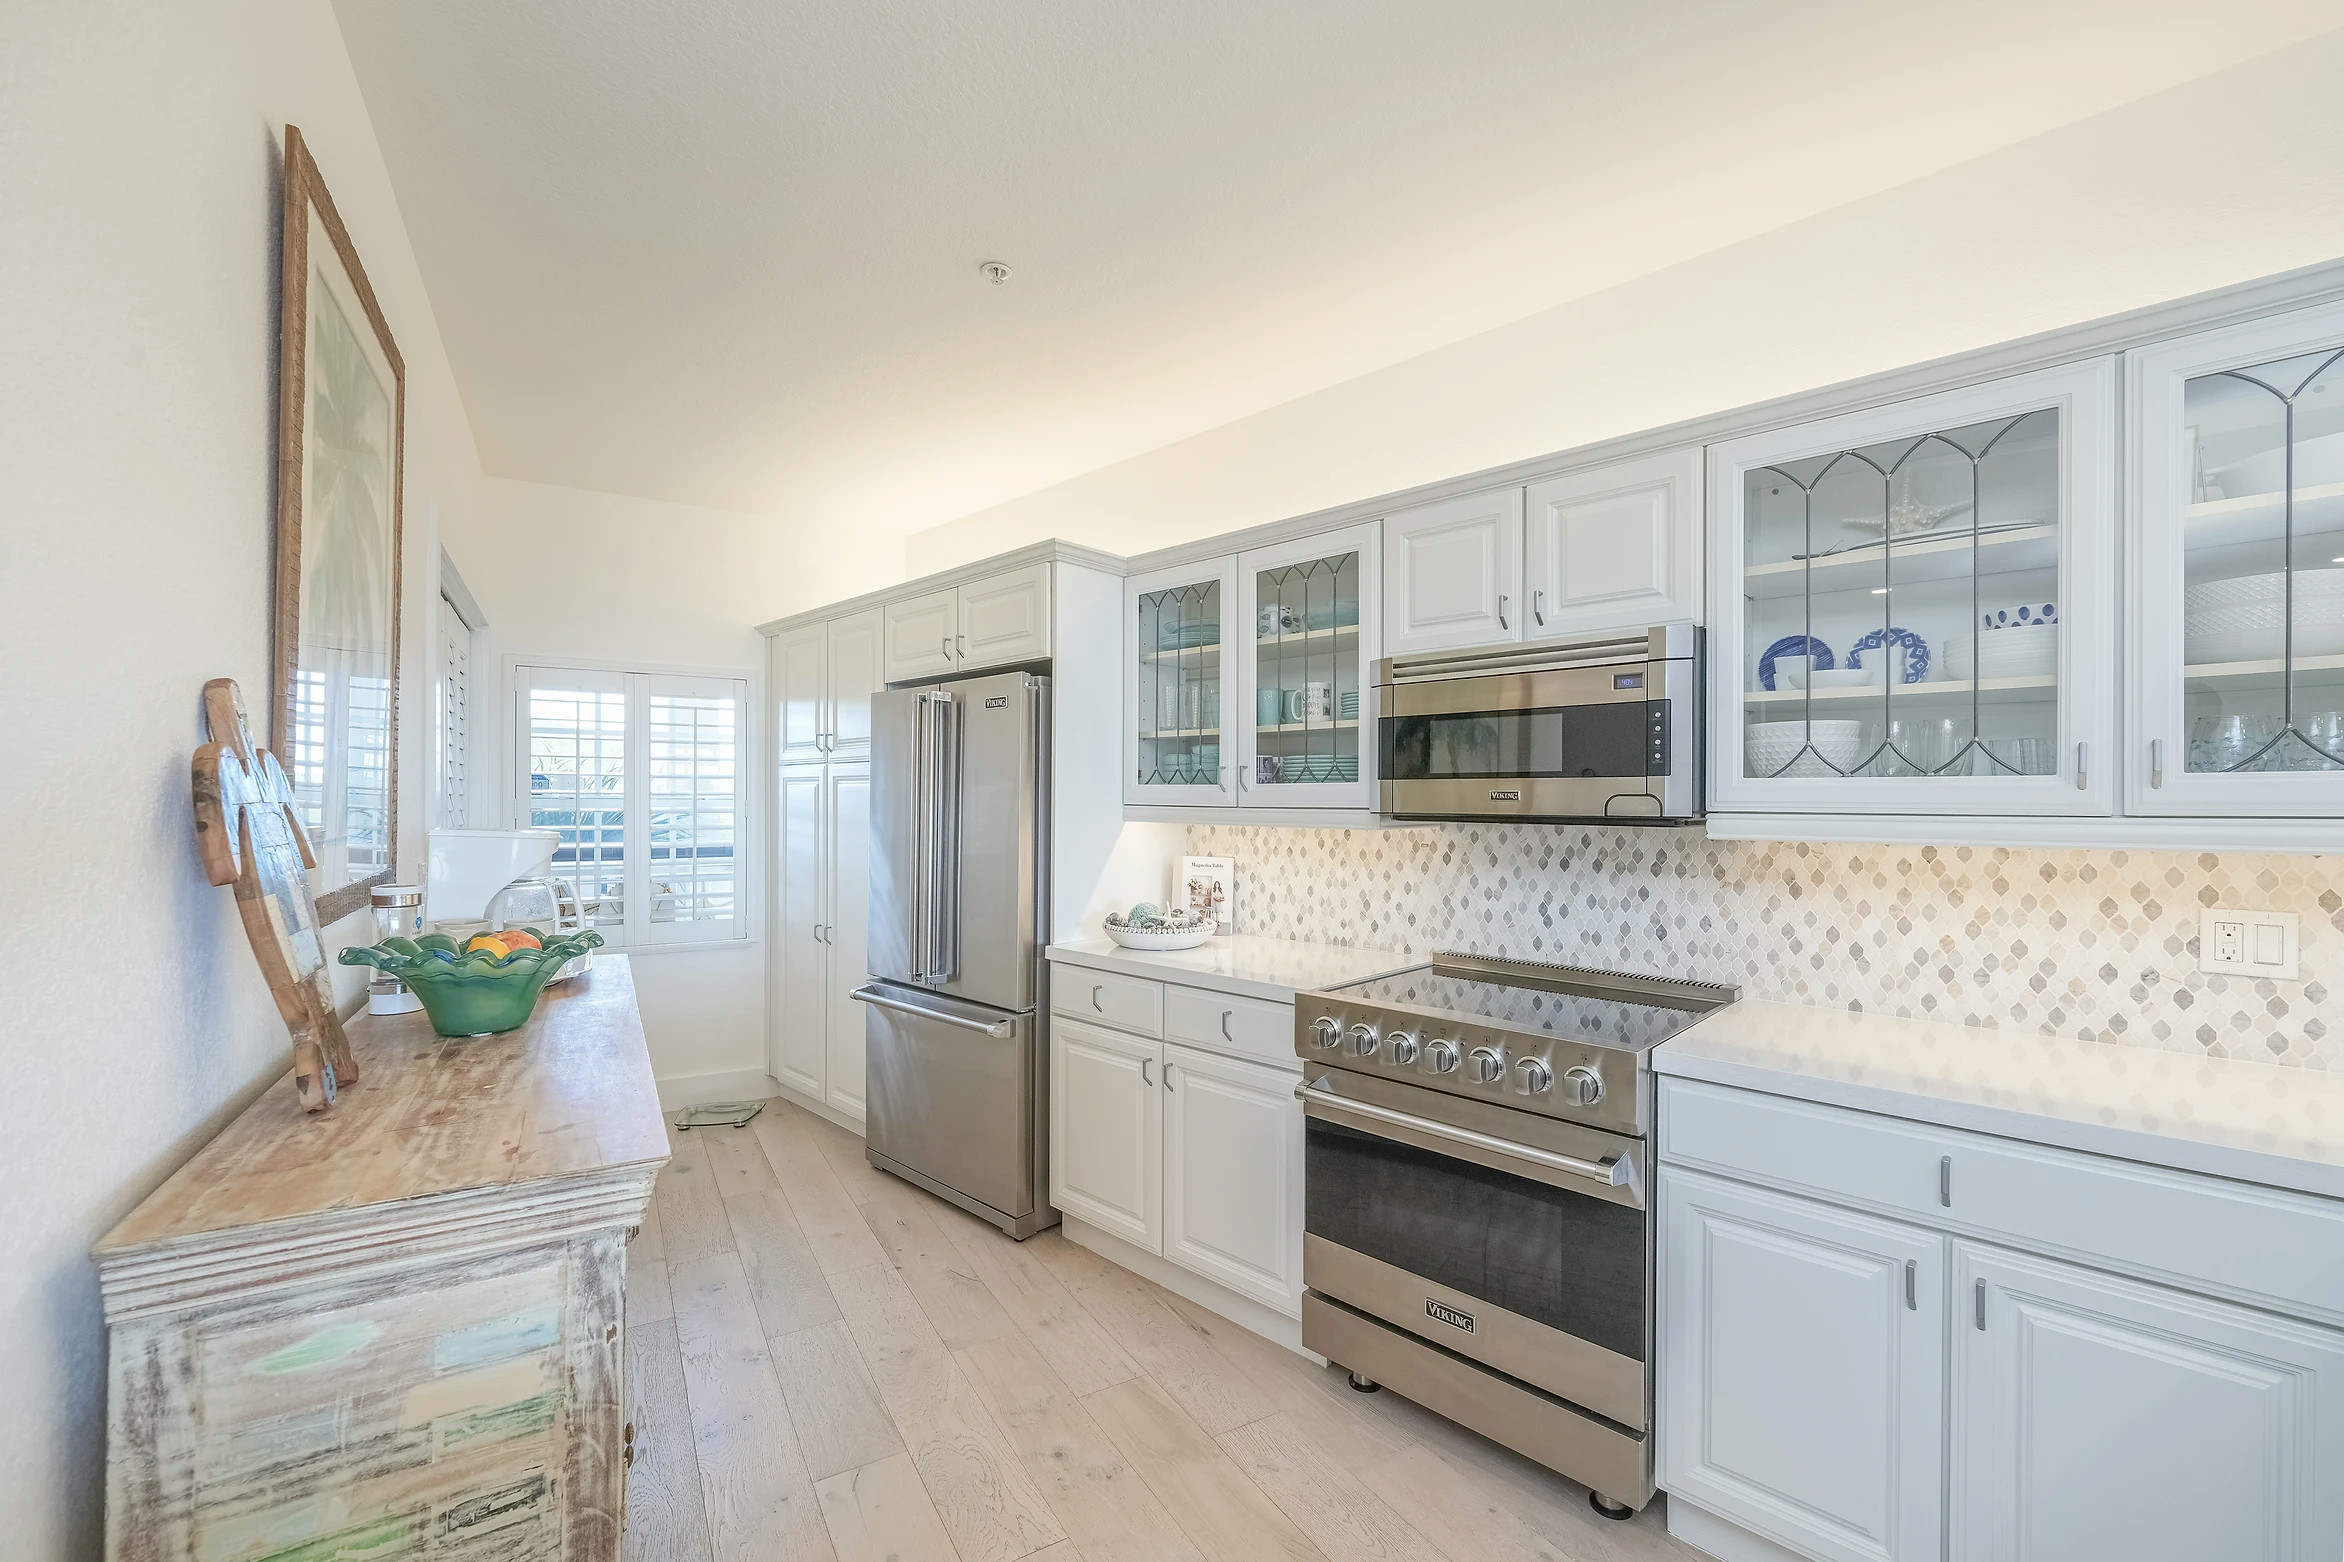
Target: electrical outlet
column 2248, row 943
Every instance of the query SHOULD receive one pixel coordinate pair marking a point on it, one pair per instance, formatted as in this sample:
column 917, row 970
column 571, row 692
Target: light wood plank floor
column 824, row 1362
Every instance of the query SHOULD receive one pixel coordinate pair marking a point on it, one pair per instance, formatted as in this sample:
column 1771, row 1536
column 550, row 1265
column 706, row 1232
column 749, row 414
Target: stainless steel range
column 1476, row 1228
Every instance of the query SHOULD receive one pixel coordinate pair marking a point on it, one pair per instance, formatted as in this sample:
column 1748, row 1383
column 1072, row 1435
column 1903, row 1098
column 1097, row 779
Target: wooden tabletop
column 569, row 1094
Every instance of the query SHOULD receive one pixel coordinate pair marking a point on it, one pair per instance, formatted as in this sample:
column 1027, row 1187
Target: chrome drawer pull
column 1323, row 1103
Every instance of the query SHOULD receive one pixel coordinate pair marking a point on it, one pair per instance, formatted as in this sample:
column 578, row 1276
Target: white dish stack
column 2244, row 620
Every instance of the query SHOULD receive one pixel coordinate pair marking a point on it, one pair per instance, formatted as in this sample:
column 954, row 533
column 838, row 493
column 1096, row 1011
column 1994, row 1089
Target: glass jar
column 398, row 913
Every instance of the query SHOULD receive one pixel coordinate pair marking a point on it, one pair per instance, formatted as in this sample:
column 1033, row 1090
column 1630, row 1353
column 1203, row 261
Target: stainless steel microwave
column 1600, row 727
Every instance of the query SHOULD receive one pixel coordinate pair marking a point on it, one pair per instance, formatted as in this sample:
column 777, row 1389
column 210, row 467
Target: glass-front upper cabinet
column 1911, row 606
column 1301, row 739
column 1182, row 635
column 2237, row 613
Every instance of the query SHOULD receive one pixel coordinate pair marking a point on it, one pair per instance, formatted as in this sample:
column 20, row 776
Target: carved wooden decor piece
column 249, row 834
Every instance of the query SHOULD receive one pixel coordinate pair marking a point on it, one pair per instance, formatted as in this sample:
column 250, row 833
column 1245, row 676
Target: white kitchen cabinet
column 923, row 636
column 1181, row 689
column 1613, row 547
column 800, row 694
column 1306, row 638
column 1233, row 1174
column 801, row 1007
column 1946, row 564
column 1107, row 1130
column 846, row 928
column 2235, row 606
column 850, row 676
column 1453, row 573
column 1801, row 1384
column 1004, row 619
column 2096, row 1416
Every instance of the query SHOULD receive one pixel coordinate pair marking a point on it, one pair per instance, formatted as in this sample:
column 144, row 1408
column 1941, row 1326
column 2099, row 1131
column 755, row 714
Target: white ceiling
column 725, row 251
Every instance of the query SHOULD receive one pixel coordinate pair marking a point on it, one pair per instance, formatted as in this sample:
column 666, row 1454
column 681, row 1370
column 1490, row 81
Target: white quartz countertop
column 1272, row 968
column 2256, row 1122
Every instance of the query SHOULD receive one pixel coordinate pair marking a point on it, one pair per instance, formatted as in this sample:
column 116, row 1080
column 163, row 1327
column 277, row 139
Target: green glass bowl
column 473, row 994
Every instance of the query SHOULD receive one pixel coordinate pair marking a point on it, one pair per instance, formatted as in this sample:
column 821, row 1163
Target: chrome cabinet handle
column 1145, row 1077
column 1945, row 1181
column 947, row 642
column 1095, row 1004
column 1502, row 624
column 1614, row 1172
column 1912, row 1296
column 1225, row 1036
column 1981, row 1304
column 1168, row 1084
column 2156, row 762
column 2083, row 754
column 1538, row 607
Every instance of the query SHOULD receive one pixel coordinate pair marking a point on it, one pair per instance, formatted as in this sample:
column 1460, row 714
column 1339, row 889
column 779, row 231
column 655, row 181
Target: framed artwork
column 1208, row 887
column 341, row 431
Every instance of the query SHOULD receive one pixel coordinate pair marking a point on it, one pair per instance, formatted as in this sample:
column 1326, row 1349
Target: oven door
column 1512, row 1239
column 1598, row 742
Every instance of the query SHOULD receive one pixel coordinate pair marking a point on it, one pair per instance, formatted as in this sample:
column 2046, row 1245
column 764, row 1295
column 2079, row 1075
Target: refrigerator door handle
column 944, row 853
column 880, row 998
column 923, row 852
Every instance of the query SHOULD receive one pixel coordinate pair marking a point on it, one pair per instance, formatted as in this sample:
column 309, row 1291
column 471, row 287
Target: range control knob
column 1325, row 1034
column 1401, row 1047
column 1363, row 1040
column 1489, row 1065
column 1582, row 1086
column 1440, row 1056
column 1532, row 1077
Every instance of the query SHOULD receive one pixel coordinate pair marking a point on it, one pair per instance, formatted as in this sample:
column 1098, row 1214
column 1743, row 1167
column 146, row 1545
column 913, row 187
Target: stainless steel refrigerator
column 956, row 1092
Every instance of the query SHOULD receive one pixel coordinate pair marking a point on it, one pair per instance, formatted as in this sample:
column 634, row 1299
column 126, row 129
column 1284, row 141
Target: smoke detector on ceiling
column 994, row 272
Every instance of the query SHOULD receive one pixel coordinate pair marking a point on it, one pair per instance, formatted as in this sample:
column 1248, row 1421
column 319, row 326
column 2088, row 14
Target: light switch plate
column 2248, row 943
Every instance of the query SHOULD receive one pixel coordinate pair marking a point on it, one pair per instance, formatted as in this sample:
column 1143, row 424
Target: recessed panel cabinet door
column 847, row 929
column 800, row 720
column 852, row 676
column 1452, row 573
column 1107, row 1131
column 2099, row 1417
column 801, row 959
column 1005, row 619
column 1233, row 1175
column 922, row 637
column 1614, row 547
column 1802, row 1352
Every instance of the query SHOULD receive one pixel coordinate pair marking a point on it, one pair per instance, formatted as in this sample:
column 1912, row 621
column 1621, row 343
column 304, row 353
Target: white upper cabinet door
column 851, row 678
column 2099, row 1417
column 846, row 929
column 923, row 637
column 1304, row 725
column 1453, row 573
column 800, row 720
column 1181, row 639
column 1912, row 608
column 1614, row 546
column 1005, row 619
column 1233, row 1175
column 801, row 1005
column 1107, row 1130
column 1802, row 1355
column 2235, row 611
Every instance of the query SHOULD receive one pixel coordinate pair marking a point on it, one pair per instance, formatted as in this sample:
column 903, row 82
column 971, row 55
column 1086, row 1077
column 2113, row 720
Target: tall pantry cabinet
column 823, row 676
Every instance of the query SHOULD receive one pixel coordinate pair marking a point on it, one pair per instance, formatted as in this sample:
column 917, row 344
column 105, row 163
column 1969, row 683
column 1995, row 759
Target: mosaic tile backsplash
column 2100, row 945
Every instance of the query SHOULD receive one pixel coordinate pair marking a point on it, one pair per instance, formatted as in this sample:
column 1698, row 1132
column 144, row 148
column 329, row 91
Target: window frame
column 638, row 684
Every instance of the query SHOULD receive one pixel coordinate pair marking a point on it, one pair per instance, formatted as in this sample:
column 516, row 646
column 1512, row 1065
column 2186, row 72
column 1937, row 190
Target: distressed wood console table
column 393, row 1329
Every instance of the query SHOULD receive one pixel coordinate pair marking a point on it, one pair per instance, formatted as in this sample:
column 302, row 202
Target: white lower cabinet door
column 800, row 958
column 846, row 933
column 1233, row 1175
column 1107, row 1130
column 1802, row 1354
column 2100, row 1417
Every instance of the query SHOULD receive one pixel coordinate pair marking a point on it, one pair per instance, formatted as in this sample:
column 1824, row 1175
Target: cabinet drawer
column 1127, row 1002
column 2265, row 1245
column 1223, row 1022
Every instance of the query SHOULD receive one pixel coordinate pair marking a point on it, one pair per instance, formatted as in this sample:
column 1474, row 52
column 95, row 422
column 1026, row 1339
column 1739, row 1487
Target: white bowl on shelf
column 2242, row 620
column 1161, row 943
column 1770, row 745
column 2022, row 651
column 1789, row 677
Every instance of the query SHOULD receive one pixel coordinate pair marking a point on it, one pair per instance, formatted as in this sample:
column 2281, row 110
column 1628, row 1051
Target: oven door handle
column 1614, row 1172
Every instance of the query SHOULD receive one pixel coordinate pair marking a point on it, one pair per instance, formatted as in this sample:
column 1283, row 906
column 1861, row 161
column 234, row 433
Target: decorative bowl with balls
column 1153, row 927
column 486, row 985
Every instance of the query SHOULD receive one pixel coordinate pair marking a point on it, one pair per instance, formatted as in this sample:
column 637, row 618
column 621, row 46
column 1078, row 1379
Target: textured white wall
column 2221, row 180
column 139, row 153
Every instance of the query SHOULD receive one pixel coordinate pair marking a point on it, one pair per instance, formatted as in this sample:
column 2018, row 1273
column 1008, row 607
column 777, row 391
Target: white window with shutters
column 642, row 774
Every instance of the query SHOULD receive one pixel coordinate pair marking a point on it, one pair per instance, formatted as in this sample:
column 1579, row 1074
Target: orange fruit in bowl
column 518, row 938
column 495, row 948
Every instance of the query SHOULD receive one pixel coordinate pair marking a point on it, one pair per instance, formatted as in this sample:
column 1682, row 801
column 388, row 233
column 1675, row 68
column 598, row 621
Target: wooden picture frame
column 341, row 460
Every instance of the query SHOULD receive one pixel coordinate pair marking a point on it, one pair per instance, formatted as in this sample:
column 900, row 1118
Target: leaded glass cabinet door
column 1911, row 607
column 2237, row 611
column 1181, row 655
column 1301, row 736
